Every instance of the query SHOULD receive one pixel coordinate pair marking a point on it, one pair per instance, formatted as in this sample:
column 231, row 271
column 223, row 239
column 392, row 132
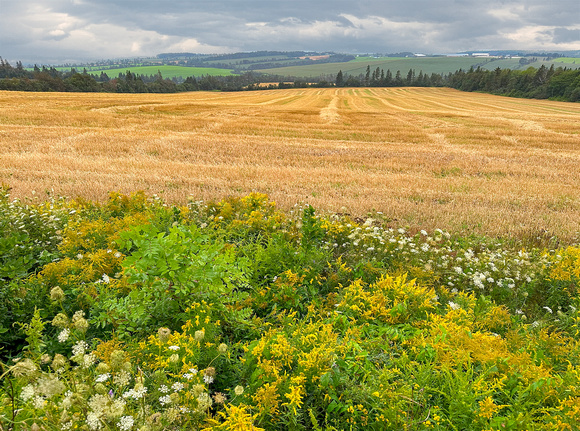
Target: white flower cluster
column 63, row 335
column 164, row 400
column 126, row 423
column 80, row 348
column 102, row 378
column 136, row 393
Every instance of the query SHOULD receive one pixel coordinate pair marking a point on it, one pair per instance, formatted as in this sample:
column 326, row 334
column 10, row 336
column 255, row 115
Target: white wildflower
column 163, row 389
column 63, row 336
column 122, row 378
column 89, row 360
column 80, row 348
column 164, row 400
column 27, row 392
column 454, row 305
column 175, row 348
column 38, row 402
column 93, row 421
column 126, row 423
column 177, row 386
column 102, row 377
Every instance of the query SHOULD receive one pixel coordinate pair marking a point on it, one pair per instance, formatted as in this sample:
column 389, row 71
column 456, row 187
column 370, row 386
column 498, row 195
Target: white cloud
column 539, row 37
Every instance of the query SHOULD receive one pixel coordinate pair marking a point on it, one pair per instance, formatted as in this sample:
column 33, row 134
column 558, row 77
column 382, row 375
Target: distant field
column 166, row 71
column 573, row 60
column 169, row 71
column 426, row 158
column 235, row 61
column 355, row 67
column 514, row 64
column 426, row 64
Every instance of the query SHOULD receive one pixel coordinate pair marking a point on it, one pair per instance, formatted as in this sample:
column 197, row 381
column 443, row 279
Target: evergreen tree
column 339, row 79
column 368, row 76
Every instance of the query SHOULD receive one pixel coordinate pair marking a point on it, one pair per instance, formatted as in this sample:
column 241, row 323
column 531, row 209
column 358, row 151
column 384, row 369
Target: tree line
column 541, row 83
column 50, row 79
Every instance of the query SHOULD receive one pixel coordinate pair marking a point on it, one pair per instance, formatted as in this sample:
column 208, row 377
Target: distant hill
column 321, row 65
column 428, row 65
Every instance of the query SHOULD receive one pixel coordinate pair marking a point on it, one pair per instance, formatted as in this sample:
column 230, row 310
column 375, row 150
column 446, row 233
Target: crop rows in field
column 434, row 158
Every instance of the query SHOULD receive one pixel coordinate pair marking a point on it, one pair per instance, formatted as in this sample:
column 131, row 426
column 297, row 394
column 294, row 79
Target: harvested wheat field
column 425, row 158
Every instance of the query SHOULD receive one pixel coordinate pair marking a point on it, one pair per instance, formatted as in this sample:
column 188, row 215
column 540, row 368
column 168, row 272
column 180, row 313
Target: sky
column 58, row 31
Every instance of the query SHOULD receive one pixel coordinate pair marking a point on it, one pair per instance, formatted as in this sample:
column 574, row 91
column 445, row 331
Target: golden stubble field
column 425, row 158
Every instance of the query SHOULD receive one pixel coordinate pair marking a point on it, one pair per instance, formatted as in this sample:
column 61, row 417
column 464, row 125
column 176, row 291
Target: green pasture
column 573, row 60
column 514, row 64
column 426, row 64
column 167, row 71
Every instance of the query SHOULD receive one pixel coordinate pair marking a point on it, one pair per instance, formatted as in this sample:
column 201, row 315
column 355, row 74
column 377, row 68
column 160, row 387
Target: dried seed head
column 59, row 363
column 24, row 367
column 60, row 320
column 199, row 335
column 56, row 294
column 163, row 334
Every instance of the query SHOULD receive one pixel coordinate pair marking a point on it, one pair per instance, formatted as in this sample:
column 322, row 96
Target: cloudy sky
column 45, row 31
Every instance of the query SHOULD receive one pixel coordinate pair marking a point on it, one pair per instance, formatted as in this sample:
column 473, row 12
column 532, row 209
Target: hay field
column 426, row 158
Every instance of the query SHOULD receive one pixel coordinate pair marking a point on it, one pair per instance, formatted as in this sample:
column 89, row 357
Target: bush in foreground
column 233, row 315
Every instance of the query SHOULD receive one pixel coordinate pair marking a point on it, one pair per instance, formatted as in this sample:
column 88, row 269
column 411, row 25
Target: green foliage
column 169, row 271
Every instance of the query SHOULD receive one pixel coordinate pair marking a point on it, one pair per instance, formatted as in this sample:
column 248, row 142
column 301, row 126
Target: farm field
column 441, row 292
column 167, row 71
column 429, row 158
column 429, row 65
column 440, row 65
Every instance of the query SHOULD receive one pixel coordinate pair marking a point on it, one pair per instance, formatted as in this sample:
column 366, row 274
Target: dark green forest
column 540, row 83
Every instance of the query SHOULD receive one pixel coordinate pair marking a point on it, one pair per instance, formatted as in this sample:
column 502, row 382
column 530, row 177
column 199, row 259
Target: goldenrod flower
column 487, row 408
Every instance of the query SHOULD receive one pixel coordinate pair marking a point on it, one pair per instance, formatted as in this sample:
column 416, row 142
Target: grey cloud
column 131, row 27
column 564, row 35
